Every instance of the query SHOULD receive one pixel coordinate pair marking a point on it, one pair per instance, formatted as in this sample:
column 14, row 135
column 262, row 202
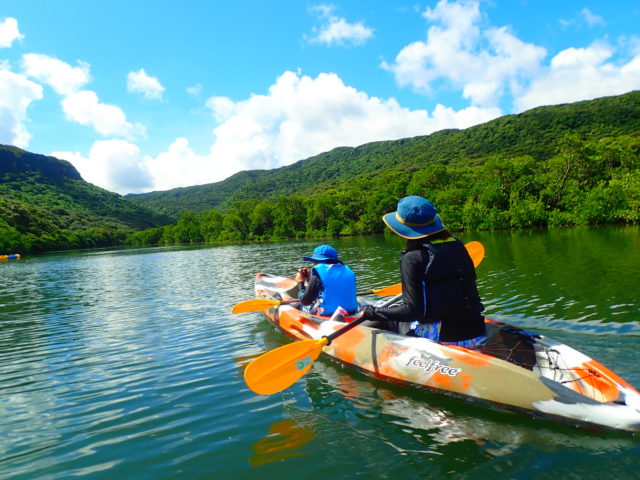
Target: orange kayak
column 514, row 369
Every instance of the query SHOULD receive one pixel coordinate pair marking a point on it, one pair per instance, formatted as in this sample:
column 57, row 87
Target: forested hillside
column 591, row 182
column 45, row 205
column 566, row 165
column 538, row 133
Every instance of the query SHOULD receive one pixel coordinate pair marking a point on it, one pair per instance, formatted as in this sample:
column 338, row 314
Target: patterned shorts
column 432, row 332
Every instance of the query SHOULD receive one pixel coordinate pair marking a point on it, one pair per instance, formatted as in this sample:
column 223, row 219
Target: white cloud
column 302, row 116
column 180, row 166
column 484, row 63
column 119, row 166
column 84, row 107
column 16, row 94
column 337, row 31
column 491, row 65
column 59, row 75
column 195, row 90
column 299, row 117
column 221, row 107
column 115, row 165
column 591, row 18
column 9, row 32
column 140, row 82
column 81, row 106
column 577, row 74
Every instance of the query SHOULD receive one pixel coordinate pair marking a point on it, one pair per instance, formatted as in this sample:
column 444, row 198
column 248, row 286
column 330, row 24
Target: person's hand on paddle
column 367, row 311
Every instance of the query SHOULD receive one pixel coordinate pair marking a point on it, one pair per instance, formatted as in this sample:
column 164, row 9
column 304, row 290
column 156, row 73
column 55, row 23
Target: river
column 128, row 363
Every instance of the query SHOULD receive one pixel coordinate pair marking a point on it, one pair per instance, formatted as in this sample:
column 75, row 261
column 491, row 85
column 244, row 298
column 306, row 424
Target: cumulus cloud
column 576, row 74
column 119, row 166
column 9, row 32
column 180, row 166
column 299, row 117
column 84, row 108
column 62, row 77
column 483, row 63
column 81, row 106
column 490, row 65
column 115, row 165
column 140, row 82
column 16, row 94
column 337, row 31
column 303, row 116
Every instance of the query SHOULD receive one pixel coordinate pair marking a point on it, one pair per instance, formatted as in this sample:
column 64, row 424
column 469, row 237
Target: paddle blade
column 280, row 368
column 476, row 252
column 388, row 291
column 254, row 305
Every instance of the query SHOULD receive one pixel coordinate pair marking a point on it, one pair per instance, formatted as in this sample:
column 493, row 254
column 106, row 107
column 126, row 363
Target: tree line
column 588, row 182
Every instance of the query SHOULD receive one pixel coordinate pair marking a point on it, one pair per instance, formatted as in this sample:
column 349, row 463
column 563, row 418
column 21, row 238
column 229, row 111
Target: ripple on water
column 129, row 364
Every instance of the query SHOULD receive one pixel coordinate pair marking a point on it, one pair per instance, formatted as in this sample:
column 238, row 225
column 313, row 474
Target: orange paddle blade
column 476, row 252
column 388, row 291
column 280, row 368
column 254, row 305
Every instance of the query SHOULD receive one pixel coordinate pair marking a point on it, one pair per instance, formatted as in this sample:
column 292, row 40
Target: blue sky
column 144, row 96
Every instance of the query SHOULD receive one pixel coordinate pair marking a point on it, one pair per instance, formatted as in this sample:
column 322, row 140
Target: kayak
column 514, row 370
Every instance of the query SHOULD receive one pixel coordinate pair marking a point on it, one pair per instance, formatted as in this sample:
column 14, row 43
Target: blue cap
column 323, row 253
column 415, row 218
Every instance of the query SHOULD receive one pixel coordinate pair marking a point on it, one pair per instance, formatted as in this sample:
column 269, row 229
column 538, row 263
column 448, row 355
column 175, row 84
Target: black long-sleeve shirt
column 445, row 272
column 413, row 292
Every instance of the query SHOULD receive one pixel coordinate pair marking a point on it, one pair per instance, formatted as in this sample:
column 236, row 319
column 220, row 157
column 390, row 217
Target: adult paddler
column 441, row 300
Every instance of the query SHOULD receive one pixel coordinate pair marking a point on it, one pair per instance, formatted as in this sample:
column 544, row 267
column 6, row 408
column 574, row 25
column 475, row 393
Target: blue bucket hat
column 415, row 218
column 323, row 253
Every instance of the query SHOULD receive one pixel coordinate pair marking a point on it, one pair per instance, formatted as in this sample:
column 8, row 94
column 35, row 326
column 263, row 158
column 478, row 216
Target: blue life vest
column 338, row 288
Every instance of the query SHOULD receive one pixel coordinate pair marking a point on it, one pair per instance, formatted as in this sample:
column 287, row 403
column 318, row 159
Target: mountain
column 45, row 204
column 538, row 132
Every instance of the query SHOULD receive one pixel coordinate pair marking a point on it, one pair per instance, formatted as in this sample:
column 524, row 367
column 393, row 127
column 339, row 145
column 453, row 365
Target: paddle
column 258, row 304
column 384, row 291
column 475, row 250
column 280, row 368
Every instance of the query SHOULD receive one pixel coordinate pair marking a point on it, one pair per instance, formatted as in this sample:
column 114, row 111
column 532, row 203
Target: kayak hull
column 514, row 370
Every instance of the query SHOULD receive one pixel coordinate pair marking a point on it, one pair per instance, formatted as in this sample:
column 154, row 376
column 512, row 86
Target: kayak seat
column 511, row 344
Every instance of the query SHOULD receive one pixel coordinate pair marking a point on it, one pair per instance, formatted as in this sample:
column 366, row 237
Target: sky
column 143, row 96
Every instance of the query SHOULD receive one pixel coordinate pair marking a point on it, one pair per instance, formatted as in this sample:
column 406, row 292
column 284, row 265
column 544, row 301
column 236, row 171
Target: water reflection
column 360, row 419
column 570, row 276
column 285, row 439
column 448, row 421
column 129, row 364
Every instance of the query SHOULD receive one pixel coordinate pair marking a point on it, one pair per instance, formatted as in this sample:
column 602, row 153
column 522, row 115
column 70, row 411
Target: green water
column 128, row 364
